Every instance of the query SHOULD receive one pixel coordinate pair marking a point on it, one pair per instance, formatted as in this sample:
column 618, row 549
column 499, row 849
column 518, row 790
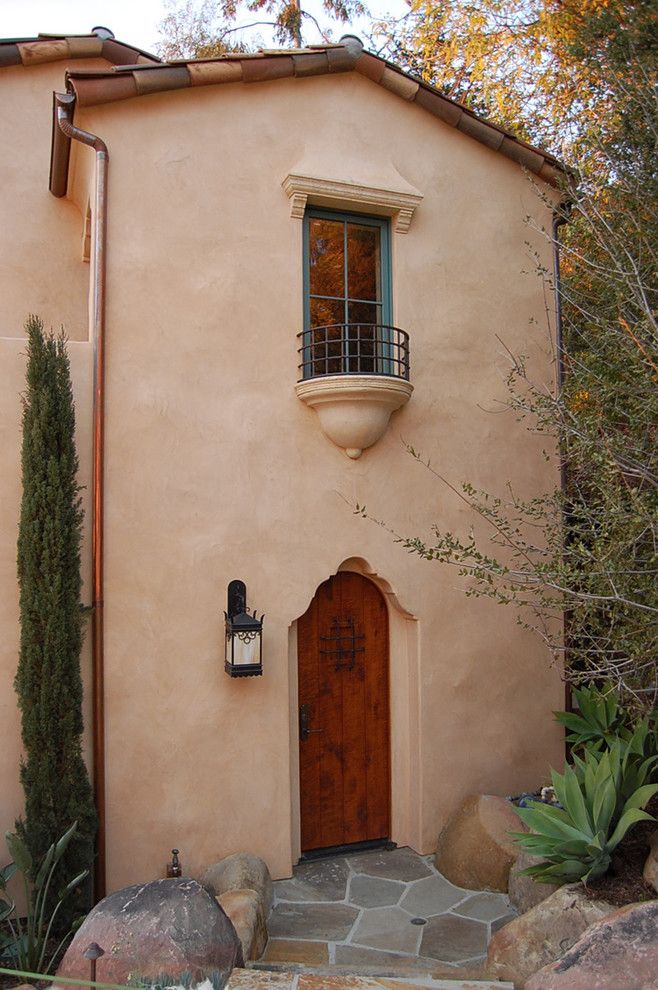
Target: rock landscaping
column 621, row 951
column 245, row 909
column 171, row 927
column 475, row 849
column 543, row 934
column 238, row 872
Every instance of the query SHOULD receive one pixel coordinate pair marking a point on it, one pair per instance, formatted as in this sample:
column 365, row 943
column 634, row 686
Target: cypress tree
column 48, row 680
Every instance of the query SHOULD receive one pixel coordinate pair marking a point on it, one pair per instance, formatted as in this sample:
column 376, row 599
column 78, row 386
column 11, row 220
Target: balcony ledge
column 354, row 410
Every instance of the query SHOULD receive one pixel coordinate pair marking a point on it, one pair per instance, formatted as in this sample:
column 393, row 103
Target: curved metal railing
column 353, row 349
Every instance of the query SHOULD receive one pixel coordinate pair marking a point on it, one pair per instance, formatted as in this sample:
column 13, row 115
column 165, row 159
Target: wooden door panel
column 343, row 681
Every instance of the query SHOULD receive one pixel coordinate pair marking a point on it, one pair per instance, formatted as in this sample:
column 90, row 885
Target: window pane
column 364, row 313
column 326, row 311
column 326, row 258
column 363, row 261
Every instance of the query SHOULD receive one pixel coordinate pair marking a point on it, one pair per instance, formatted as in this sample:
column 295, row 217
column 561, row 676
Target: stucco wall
column 41, row 242
column 41, row 272
column 215, row 470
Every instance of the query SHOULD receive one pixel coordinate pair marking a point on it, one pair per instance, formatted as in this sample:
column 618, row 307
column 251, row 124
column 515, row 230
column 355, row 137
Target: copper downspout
column 64, row 108
column 560, row 217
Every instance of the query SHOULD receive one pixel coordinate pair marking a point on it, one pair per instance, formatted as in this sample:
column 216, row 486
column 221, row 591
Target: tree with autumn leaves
column 580, row 78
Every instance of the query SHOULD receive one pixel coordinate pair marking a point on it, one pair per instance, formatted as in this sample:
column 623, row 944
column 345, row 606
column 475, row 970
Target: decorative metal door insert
column 344, row 640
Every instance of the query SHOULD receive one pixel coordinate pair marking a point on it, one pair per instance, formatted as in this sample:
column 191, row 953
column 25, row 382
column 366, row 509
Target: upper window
column 347, row 307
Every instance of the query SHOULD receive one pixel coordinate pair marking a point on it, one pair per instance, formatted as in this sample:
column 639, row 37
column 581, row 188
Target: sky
column 133, row 21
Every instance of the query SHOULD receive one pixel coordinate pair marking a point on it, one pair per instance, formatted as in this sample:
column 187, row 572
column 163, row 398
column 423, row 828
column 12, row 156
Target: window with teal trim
column 347, row 295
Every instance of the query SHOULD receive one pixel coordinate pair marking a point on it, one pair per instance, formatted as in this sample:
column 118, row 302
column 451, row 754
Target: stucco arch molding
column 398, row 203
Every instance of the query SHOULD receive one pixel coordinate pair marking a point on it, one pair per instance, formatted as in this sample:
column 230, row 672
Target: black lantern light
column 244, row 635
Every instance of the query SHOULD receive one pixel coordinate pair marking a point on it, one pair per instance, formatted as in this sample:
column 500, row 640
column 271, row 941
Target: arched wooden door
column 344, row 744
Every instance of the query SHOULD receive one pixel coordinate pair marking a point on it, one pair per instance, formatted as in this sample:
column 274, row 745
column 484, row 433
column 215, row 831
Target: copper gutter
column 64, row 132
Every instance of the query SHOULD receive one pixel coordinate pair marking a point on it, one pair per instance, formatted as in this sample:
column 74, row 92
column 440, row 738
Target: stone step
column 275, row 977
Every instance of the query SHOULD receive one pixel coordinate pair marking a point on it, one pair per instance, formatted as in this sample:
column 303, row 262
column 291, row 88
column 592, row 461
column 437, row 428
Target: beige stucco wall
column 215, row 470
column 40, row 272
column 41, row 241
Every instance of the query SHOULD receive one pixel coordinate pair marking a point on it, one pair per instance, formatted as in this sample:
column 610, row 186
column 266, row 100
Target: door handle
column 305, row 721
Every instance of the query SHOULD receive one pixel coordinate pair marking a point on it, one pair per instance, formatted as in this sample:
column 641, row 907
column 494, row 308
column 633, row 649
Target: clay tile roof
column 57, row 47
column 136, row 73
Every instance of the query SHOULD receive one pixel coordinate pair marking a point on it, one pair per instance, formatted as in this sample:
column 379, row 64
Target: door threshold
column 353, row 847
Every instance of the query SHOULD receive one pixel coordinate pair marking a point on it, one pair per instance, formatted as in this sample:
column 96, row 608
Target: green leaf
column 630, row 817
column 641, row 797
column 547, row 822
column 46, row 863
column 6, row 873
column 62, row 843
column 73, row 884
column 605, row 801
column 6, row 908
column 19, row 852
column 574, row 802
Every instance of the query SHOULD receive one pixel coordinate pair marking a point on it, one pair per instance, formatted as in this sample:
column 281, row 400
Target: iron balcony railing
column 353, row 349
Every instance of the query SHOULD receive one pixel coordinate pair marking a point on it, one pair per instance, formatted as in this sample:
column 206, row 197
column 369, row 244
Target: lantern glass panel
column 246, row 648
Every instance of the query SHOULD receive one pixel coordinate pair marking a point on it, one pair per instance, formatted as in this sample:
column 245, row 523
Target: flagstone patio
column 380, row 909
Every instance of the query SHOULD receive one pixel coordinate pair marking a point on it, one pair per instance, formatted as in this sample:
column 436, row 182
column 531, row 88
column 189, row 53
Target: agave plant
column 601, row 798
column 601, row 721
column 26, row 941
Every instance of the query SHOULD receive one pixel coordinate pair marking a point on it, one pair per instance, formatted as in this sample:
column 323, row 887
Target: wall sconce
column 244, row 635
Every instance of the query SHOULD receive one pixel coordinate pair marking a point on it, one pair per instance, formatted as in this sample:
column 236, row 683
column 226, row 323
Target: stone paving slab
column 452, row 939
column 323, row 880
column 249, row 979
column 431, row 896
column 391, row 902
column 369, row 892
column 387, row 928
column 328, row 922
column 487, row 906
column 296, row 951
column 391, row 864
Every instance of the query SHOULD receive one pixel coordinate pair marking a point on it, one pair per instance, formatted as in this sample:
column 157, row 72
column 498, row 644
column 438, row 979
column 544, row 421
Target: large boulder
column 619, row 951
column 238, row 872
column 524, row 892
column 542, row 935
column 245, row 909
column 166, row 927
column 475, row 849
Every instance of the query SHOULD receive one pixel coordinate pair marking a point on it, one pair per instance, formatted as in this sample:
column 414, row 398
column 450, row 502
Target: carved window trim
column 303, row 190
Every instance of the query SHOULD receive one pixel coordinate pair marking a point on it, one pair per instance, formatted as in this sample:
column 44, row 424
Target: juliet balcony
column 354, row 375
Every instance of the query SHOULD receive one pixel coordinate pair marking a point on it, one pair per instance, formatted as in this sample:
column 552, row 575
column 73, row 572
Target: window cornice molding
column 303, row 190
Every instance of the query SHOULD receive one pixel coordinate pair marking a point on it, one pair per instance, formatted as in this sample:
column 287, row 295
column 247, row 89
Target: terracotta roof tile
column 444, row 109
column 95, row 90
column 313, row 64
column 55, row 47
column 400, row 84
column 9, row 55
column 161, row 78
column 481, row 131
column 522, row 153
column 136, row 74
column 371, row 67
column 212, row 73
column 38, row 52
column 340, row 59
column 261, row 70
column 91, row 47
